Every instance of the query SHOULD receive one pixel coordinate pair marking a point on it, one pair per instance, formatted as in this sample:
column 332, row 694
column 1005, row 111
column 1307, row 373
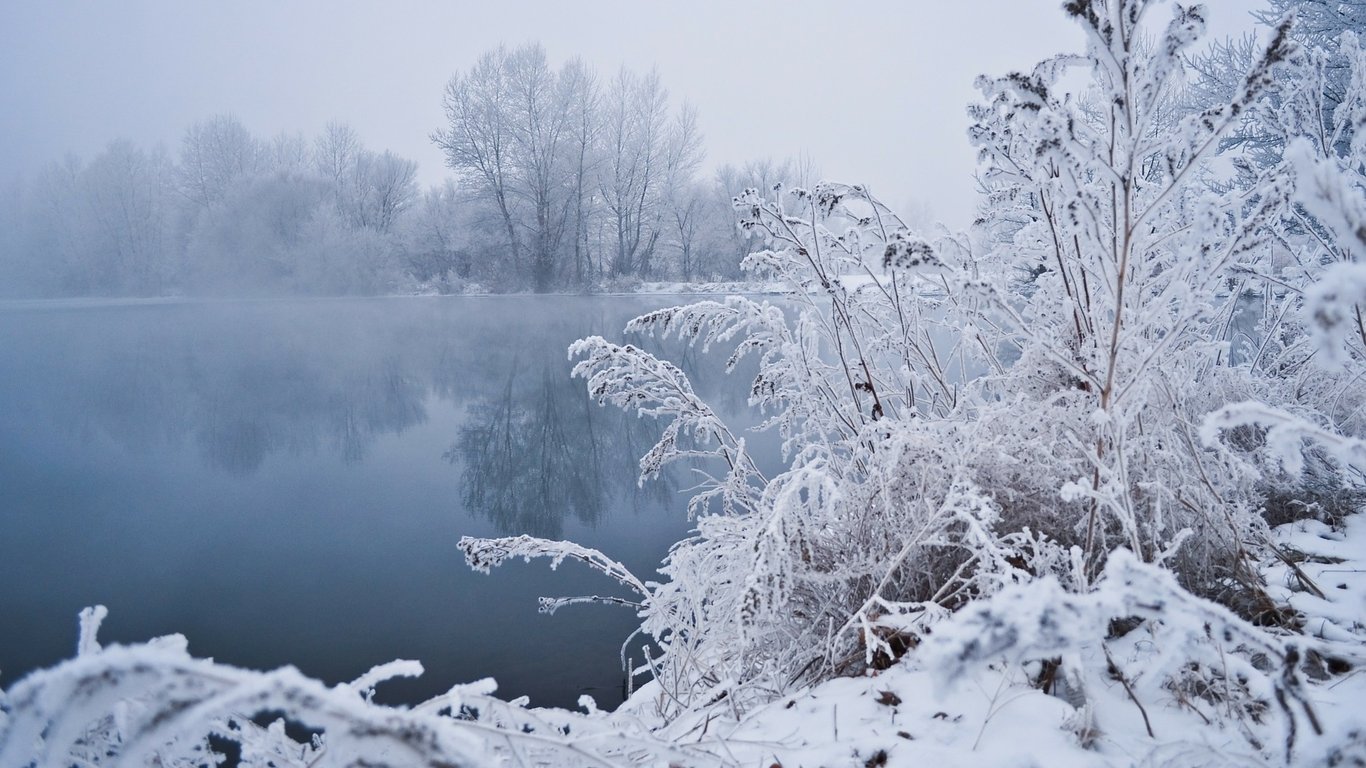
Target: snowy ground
column 906, row 716
column 723, row 287
column 652, row 288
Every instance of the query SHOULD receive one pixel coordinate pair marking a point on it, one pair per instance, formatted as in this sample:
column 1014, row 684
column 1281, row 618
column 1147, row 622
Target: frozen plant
column 1140, row 632
column 155, row 704
column 964, row 414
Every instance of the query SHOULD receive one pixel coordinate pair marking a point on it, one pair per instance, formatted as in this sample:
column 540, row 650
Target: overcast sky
column 873, row 92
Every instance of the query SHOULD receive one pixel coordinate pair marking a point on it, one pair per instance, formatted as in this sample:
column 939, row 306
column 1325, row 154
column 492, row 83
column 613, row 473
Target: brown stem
column 1118, row 674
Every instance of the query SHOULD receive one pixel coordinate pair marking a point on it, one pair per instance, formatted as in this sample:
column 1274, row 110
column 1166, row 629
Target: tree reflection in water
column 246, row 385
column 268, row 477
column 540, row 451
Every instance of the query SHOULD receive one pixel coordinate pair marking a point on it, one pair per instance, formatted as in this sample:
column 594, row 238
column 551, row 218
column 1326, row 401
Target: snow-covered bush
column 962, row 414
column 1121, row 327
column 1138, row 631
column 1054, row 442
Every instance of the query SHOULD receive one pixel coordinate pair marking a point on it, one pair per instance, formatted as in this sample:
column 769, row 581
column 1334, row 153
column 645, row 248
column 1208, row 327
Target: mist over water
column 284, row 482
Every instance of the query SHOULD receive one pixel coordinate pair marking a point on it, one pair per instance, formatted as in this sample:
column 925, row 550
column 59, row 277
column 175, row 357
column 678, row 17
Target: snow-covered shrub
column 960, row 415
column 1063, row 431
column 1140, row 633
column 155, row 704
column 1159, row 293
column 1306, row 290
column 1128, row 254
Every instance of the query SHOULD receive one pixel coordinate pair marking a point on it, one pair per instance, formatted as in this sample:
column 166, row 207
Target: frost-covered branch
column 485, row 554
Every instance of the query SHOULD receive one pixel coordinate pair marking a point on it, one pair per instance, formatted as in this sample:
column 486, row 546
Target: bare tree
column 541, row 128
column 477, row 140
column 634, row 164
column 522, row 135
column 335, row 152
column 127, row 190
column 288, row 153
column 383, row 186
column 213, row 154
column 584, row 100
column 685, row 199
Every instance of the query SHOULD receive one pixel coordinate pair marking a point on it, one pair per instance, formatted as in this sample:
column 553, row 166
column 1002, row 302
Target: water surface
column 284, row 482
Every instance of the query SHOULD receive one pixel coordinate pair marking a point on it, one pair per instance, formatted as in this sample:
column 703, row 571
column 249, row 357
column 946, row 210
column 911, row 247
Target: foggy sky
column 872, row 92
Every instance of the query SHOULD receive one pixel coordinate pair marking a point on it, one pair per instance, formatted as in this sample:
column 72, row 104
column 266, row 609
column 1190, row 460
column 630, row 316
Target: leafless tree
column 213, row 154
column 632, row 177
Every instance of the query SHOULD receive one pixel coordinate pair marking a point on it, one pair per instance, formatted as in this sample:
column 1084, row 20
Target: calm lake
column 285, row 481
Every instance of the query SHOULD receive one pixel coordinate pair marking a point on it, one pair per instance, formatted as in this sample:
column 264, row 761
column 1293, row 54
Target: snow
column 935, row 707
column 711, row 288
column 992, row 715
column 1035, row 537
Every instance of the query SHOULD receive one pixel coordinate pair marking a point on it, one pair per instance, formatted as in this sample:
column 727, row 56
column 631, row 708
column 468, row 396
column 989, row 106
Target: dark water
column 284, row 482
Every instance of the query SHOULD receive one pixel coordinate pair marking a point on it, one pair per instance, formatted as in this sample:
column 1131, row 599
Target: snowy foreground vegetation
column 1078, row 488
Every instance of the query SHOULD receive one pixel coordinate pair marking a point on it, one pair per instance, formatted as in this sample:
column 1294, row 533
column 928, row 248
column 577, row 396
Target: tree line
column 231, row 213
column 562, row 180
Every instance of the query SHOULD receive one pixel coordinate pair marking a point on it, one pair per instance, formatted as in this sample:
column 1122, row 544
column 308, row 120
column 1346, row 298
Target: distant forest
column 562, row 181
